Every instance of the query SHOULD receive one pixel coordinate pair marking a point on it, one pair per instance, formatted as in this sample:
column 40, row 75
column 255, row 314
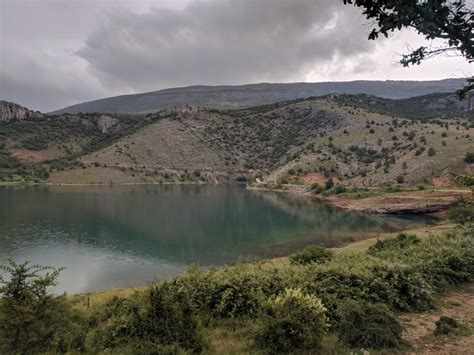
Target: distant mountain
column 231, row 97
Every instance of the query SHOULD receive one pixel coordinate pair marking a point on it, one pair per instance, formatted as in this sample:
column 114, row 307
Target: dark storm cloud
column 55, row 53
column 222, row 41
column 38, row 41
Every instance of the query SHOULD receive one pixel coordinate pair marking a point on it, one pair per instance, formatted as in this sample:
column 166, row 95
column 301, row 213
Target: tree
column 31, row 319
column 448, row 20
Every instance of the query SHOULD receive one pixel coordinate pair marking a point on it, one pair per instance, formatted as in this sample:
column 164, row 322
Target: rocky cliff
column 10, row 111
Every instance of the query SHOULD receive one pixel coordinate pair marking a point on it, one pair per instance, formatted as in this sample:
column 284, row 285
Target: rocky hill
column 232, row 97
column 11, row 110
column 354, row 139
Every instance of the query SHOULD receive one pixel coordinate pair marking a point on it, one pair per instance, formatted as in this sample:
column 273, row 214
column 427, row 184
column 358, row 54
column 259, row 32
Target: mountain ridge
column 249, row 95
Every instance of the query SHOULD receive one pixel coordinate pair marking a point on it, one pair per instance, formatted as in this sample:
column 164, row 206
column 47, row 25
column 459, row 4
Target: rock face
column 106, row 124
column 11, row 111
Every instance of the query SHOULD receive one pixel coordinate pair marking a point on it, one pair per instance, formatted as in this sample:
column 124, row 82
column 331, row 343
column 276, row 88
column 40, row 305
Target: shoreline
column 100, row 296
column 408, row 200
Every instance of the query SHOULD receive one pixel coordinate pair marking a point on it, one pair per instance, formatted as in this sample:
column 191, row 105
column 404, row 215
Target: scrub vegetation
column 315, row 301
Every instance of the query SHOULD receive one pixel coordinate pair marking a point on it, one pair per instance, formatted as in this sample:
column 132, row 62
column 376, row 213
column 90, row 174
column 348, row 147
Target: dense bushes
column 465, row 180
column 368, row 325
column 233, row 292
column 399, row 243
column 164, row 319
column 311, row 254
column 286, row 303
column 293, row 321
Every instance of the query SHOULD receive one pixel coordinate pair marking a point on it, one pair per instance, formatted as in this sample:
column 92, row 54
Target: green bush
column 465, row 180
column 469, row 157
column 31, row 320
column 463, row 212
column 401, row 241
column 316, row 189
column 448, row 326
column 233, row 292
column 329, row 184
column 166, row 320
column 311, row 254
column 368, row 326
column 293, row 321
column 400, row 287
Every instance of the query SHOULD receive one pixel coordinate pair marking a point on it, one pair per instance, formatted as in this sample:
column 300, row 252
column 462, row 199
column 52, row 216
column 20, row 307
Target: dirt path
column 458, row 305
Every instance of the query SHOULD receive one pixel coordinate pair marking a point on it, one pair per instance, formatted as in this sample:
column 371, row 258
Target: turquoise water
column 116, row 236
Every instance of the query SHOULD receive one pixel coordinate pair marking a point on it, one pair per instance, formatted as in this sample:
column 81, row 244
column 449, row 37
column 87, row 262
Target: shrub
column 465, row 180
column 293, row 321
column 469, row 157
column 291, row 172
column 33, row 321
column 368, row 325
column 233, row 292
column 431, row 152
column 448, row 326
column 400, row 179
column 316, row 189
column 463, row 212
column 339, row 189
column 400, row 287
column 329, row 184
column 165, row 320
column 419, row 151
column 401, row 241
column 311, row 254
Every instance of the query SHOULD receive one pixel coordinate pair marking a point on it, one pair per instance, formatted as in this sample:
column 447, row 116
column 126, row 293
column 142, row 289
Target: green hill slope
column 355, row 139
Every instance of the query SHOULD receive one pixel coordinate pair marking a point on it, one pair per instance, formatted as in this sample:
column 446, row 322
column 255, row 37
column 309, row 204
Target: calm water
column 114, row 236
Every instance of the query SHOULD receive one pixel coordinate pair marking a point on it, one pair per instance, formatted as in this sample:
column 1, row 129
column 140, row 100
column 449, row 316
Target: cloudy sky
column 55, row 53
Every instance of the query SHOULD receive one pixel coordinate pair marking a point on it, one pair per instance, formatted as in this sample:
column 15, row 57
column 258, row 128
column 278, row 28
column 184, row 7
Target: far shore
column 406, row 200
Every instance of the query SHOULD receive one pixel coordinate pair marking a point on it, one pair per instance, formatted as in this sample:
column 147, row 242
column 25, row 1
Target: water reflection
column 112, row 236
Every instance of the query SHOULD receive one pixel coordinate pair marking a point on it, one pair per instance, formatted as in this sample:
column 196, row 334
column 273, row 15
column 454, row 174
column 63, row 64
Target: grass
column 421, row 232
column 99, row 298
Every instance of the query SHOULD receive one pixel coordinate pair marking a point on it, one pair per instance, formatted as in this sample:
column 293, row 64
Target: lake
column 117, row 236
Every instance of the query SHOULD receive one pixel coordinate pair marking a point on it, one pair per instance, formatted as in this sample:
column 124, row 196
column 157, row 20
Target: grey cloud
column 222, row 41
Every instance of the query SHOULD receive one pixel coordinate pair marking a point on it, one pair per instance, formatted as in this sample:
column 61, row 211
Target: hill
column 358, row 140
column 233, row 97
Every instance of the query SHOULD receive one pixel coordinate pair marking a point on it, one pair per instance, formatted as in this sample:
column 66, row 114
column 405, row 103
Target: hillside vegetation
column 355, row 140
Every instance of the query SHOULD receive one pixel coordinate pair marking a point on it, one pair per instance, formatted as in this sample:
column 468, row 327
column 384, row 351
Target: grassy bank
column 315, row 301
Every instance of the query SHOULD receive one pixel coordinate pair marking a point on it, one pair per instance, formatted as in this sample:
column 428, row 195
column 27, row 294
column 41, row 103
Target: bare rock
column 106, row 124
column 12, row 111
